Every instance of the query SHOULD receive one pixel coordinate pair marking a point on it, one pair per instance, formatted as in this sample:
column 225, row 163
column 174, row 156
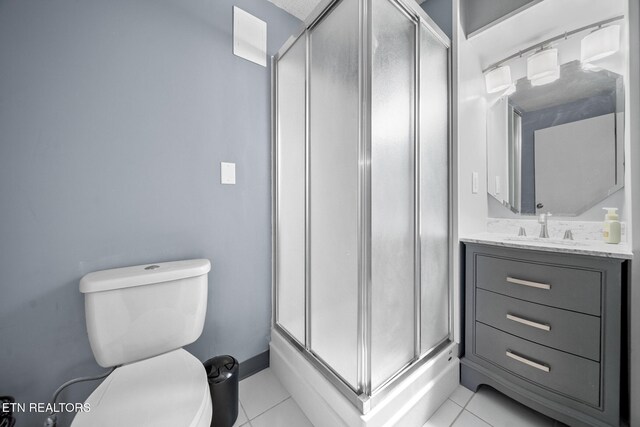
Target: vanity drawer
column 562, row 372
column 561, row 329
column 563, row 287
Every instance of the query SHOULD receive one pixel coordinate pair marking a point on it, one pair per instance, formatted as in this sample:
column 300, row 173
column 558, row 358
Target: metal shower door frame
column 363, row 397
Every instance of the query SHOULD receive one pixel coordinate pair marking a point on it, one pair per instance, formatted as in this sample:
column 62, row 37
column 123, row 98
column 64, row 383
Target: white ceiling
column 298, row 8
column 301, row 8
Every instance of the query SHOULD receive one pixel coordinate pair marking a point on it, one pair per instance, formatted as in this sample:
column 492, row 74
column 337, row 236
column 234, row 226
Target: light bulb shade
column 510, row 90
column 543, row 64
column 600, row 44
column 498, row 79
column 547, row 78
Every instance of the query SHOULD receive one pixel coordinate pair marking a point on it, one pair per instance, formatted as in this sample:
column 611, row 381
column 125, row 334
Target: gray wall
column 441, row 12
column 114, row 116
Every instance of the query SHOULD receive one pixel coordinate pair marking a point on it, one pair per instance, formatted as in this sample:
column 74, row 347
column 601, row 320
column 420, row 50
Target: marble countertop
column 577, row 247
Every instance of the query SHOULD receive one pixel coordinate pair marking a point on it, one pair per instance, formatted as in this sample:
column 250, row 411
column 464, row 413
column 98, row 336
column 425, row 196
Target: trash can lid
column 220, row 368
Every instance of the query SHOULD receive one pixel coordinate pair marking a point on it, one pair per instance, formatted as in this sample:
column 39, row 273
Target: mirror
column 558, row 147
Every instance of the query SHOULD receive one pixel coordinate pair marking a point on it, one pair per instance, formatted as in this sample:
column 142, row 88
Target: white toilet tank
column 134, row 313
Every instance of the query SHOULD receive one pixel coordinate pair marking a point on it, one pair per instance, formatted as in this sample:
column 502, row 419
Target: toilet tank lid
column 146, row 274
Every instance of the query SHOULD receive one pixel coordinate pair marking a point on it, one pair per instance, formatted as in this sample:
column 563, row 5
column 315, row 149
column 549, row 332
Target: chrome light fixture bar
column 547, row 42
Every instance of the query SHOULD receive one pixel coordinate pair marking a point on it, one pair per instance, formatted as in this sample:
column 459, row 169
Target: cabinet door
column 562, row 372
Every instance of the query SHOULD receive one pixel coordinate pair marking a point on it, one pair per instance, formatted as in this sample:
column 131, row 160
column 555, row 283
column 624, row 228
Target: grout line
column 464, row 408
column 243, row 411
column 457, row 404
column 469, row 401
column 456, row 418
column 267, row 410
column 461, row 410
column 459, row 413
column 480, row 418
column 476, row 415
column 473, row 413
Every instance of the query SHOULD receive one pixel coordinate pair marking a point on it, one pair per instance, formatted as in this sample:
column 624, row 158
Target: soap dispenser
column 611, row 230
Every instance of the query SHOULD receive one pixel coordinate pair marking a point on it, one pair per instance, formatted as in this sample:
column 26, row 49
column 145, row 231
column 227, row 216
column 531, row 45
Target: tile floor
column 265, row 403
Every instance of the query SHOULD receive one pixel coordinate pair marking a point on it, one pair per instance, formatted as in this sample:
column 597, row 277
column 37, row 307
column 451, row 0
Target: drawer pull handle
column 528, row 283
column 526, row 361
column 529, row 322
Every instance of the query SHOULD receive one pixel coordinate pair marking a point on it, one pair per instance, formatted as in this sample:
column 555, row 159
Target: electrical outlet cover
column 227, row 173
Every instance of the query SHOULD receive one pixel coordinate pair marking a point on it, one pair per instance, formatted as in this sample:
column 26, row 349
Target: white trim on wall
column 633, row 205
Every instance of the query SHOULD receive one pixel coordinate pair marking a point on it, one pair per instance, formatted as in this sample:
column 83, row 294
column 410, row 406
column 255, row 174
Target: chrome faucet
column 542, row 220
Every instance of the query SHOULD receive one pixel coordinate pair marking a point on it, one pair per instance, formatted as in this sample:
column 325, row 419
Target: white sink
column 540, row 240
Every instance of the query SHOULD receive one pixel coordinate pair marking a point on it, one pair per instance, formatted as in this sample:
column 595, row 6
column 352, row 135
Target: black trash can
column 6, row 418
column 222, row 374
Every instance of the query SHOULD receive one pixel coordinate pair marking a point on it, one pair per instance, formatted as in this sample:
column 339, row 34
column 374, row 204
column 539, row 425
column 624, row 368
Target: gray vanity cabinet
column 545, row 329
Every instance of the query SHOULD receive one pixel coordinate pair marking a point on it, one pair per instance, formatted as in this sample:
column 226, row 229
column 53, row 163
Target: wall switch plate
column 249, row 37
column 227, row 173
column 498, row 184
column 474, row 183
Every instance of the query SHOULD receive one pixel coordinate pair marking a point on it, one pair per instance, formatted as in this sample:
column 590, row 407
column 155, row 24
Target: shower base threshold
column 410, row 403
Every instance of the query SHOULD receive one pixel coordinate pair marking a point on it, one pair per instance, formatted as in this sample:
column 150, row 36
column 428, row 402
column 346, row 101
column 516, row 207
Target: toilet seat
column 166, row 390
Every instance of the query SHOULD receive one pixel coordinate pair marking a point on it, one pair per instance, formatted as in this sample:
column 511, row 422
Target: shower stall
column 362, row 252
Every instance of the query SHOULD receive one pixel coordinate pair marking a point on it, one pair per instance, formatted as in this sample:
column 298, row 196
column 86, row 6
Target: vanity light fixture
column 600, row 43
column 498, row 79
column 551, row 77
column 542, row 67
column 510, row 90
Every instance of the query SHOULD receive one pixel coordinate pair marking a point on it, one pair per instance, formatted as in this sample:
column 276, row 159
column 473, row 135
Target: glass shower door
column 290, row 188
column 333, row 189
column 434, row 191
column 393, row 213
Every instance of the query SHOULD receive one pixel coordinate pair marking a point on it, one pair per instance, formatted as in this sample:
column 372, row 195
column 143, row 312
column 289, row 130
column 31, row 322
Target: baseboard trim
column 254, row 364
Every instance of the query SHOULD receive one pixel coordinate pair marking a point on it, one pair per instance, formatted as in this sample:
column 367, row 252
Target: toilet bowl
column 138, row 318
column 167, row 390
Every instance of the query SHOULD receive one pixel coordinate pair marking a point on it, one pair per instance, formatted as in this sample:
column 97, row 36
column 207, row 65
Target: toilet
column 139, row 318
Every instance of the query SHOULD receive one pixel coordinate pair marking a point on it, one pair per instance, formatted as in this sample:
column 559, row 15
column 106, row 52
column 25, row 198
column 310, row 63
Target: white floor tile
column 501, row 411
column 461, row 395
column 242, row 417
column 261, row 392
column 467, row 419
column 286, row 414
column 445, row 415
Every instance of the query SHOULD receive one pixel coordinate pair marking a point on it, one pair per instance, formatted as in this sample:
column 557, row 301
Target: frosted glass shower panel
column 290, row 126
column 392, row 191
column 434, row 189
column 333, row 187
